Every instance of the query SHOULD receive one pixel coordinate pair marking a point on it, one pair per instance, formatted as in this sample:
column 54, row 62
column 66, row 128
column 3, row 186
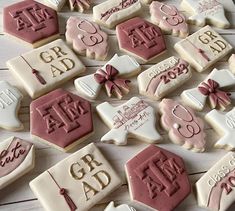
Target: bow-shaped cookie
column 108, row 76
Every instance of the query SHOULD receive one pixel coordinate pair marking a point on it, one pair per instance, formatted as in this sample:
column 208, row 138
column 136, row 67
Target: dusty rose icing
column 158, row 178
column 60, row 114
column 182, row 122
column 141, row 38
column 13, row 156
column 86, row 35
column 30, row 21
column 169, row 16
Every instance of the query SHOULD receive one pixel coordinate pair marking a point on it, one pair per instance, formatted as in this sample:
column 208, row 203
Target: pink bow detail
column 217, row 97
column 113, row 85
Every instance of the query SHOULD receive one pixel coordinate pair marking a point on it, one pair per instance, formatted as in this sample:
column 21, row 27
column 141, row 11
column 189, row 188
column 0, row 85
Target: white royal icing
column 135, row 118
column 123, row 207
column 206, row 11
column 55, row 4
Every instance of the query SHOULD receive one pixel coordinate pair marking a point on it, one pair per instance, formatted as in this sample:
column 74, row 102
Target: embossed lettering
column 90, row 161
column 103, row 178
column 6, row 98
column 87, row 189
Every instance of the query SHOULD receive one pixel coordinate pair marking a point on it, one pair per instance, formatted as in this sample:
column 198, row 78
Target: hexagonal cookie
column 157, row 178
column 140, row 38
column 76, row 183
column 16, row 159
column 31, row 22
column 61, row 119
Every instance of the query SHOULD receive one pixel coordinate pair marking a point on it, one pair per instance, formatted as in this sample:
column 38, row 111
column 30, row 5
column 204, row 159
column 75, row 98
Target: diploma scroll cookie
column 16, row 159
column 10, row 99
column 76, row 183
column 203, row 48
column 86, row 38
column 135, row 118
column 224, row 124
column 122, row 207
column 112, row 12
column 45, row 68
column 215, row 89
column 164, row 77
column 169, row 19
column 205, row 12
column 108, row 76
column 157, row 179
column 79, row 5
column 184, row 127
column 216, row 188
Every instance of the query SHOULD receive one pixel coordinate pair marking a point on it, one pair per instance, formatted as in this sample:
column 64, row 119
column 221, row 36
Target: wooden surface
column 19, row 197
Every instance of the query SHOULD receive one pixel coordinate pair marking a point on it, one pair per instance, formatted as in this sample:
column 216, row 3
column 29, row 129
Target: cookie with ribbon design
column 135, row 119
column 79, row 5
column 215, row 89
column 108, row 76
column 86, row 38
column 182, row 124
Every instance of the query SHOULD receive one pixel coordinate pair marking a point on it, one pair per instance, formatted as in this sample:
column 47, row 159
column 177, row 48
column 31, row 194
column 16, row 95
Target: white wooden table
column 19, row 197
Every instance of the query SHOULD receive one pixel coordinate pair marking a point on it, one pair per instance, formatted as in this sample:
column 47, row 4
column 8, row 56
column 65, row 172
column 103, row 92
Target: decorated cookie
column 215, row 189
column 16, row 159
column 135, row 118
column 184, row 127
column 10, row 99
column 205, row 12
column 123, row 207
column 45, row 68
column 55, row 4
column 31, row 22
column 224, row 124
column 76, row 183
column 60, row 114
column 87, row 38
column 112, row 12
column 213, row 89
column 203, row 48
column 169, row 19
column 108, row 76
column 164, row 77
column 140, row 38
column 80, row 5
column 232, row 63
column 157, row 179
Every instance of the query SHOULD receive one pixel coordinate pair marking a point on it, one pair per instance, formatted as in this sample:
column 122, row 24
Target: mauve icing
column 13, row 156
column 30, row 21
column 141, row 38
column 60, row 114
column 158, row 178
column 183, row 124
column 86, row 36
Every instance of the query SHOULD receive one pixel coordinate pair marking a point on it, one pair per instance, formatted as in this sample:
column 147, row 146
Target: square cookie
column 203, row 48
column 76, row 183
column 45, row 68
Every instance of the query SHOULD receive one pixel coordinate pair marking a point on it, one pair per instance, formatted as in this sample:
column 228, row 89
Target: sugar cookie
column 123, row 207
column 215, row 189
column 157, row 178
column 164, row 77
column 141, row 39
column 184, row 127
column 32, row 23
column 214, row 89
column 135, row 118
column 108, row 76
column 76, row 183
column 55, row 4
column 205, row 12
column 16, row 159
column 112, row 12
column 169, row 19
column 61, row 114
column 79, row 5
column 10, row 99
column 224, row 124
column 87, row 38
column 231, row 62
column 203, row 48
column 45, row 68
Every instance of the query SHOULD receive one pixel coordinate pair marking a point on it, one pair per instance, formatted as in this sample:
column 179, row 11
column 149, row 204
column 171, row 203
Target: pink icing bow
column 216, row 96
column 111, row 82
